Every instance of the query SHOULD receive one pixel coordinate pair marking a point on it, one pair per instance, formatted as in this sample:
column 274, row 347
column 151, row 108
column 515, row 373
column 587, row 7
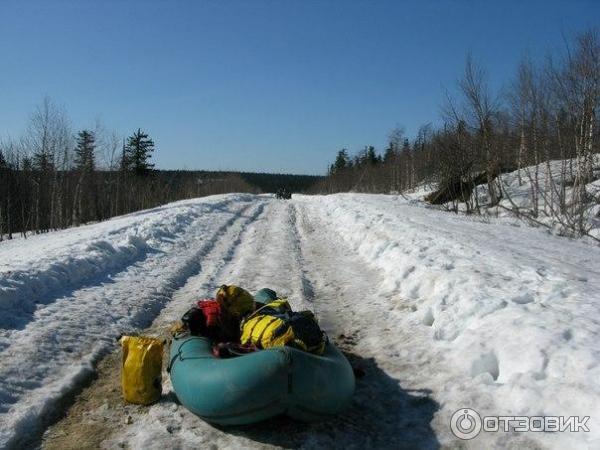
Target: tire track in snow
column 266, row 253
column 272, row 257
column 102, row 400
column 28, row 403
column 395, row 403
column 23, row 292
column 384, row 414
column 207, row 281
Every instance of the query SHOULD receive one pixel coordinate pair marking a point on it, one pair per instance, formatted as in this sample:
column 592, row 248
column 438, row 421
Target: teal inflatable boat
column 259, row 385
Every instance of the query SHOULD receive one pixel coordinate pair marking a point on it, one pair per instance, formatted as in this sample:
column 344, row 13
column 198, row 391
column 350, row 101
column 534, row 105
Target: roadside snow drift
column 513, row 310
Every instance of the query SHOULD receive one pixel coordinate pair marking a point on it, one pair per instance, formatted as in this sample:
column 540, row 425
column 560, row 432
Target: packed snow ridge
column 484, row 314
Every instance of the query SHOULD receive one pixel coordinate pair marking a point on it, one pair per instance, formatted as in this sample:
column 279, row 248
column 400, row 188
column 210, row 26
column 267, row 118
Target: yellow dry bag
column 141, row 369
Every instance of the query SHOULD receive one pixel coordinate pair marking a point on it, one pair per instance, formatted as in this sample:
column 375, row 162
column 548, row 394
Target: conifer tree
column 84, row 152
column 137, row 153
column 371, row 155
column 341, row 161
column 85, row 198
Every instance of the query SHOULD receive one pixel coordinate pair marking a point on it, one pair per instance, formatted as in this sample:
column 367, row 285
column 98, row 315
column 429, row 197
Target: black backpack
column 195, row 321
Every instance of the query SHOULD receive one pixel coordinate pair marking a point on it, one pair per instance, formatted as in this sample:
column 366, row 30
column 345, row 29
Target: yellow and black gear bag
column 276, row 325
column 141, row 370
column 235, row 301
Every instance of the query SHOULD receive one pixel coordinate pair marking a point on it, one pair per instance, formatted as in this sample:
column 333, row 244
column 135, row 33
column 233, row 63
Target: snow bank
column 554, row 181
column 32, row 270
column 66, row 296
column 513, row 310
column 543, row 192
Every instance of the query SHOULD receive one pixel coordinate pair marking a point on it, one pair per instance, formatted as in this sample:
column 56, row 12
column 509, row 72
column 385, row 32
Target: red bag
column 211, row 321
column 212, row 312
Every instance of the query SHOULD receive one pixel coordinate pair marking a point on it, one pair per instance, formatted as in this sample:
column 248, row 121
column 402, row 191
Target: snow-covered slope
column 539, row 194
column 511, row 311
column 440, row 311
column 547, row 191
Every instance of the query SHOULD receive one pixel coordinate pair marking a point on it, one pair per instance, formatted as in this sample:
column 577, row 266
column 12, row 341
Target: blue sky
column 274, row 86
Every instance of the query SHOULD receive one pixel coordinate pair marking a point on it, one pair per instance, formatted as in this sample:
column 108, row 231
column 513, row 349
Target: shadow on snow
column 382, row 415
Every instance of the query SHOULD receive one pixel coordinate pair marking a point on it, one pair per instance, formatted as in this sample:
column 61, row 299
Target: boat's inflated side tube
column 257, row 386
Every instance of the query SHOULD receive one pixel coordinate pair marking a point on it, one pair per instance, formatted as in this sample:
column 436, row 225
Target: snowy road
column 438, row 312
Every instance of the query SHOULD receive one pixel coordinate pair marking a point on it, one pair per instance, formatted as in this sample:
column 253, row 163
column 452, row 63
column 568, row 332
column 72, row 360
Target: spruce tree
column 85, row 198
column 138, row 152
column 371, row 155
column 42, row 162
column 341, row 161
column 84, row 152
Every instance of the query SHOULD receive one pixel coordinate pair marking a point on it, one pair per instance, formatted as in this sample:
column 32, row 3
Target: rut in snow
column 69, row 336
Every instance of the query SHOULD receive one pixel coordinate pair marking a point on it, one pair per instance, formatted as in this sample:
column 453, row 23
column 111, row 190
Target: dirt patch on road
column 91, row 418
column 97, row 412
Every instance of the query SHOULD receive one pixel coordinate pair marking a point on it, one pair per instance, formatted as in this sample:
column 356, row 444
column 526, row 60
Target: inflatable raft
column 256, row 386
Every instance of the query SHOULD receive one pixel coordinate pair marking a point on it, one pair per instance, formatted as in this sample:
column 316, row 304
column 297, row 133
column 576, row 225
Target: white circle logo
column 465, row 423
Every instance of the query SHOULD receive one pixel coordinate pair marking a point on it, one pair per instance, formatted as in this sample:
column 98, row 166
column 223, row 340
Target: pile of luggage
column 238, row 359
column 239, row 323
